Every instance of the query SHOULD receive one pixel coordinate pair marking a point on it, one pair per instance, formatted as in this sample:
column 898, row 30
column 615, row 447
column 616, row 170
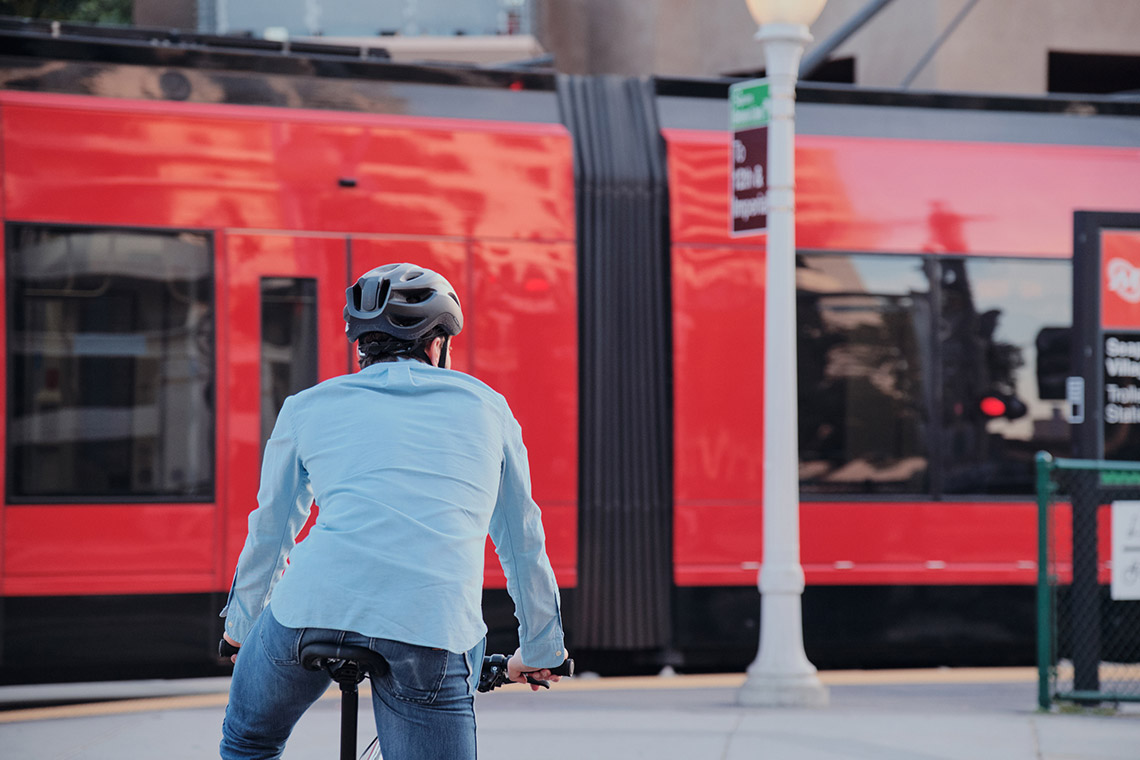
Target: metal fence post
column 1044, row 594
column 1084, row 592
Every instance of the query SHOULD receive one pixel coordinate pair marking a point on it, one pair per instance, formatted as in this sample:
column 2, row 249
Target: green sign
column 749, row 113
column 749, row 104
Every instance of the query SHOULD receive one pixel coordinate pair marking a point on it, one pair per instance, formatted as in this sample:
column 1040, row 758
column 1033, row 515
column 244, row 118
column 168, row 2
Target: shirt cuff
column 544, row 654
column 237, row 626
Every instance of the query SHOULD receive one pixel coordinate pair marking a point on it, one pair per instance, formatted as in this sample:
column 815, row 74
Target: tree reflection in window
column 864, row 373
column 110, row 364
column 995, row 417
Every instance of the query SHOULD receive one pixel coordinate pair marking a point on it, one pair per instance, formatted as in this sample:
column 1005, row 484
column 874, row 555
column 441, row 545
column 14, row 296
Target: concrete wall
column 1000, row 45
column 640, row 37
column 169, row 14
column 1017, row 36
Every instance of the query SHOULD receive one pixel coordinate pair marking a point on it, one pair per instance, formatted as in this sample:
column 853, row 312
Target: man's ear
column 435, row 351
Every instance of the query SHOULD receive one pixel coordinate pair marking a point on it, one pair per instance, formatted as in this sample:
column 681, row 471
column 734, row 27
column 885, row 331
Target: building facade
column 1025, row 47
column 1022, row 47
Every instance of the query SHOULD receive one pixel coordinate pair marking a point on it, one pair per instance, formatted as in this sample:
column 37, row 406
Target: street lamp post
column 781, row 673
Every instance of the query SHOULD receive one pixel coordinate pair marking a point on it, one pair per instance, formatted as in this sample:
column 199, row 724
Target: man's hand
column 517, row 671
column 226, row 638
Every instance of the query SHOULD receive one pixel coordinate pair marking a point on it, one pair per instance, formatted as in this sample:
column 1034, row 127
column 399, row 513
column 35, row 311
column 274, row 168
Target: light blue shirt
column 412, row 467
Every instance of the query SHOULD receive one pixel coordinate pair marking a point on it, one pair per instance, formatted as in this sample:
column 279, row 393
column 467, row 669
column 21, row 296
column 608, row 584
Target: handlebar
column 494, row 673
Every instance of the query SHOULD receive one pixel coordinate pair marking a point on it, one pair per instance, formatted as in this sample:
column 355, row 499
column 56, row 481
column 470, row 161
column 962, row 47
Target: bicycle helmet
column 401, row 300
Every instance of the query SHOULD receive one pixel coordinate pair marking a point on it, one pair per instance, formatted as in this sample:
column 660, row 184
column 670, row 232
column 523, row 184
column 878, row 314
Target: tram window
column 863, row 373
column 288, row 343
column 110, row 365
column 994, row 416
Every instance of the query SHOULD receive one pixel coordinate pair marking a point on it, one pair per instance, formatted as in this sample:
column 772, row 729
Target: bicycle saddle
column 337, row 658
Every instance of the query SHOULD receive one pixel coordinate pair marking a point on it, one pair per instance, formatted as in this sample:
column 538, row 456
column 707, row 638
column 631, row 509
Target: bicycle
column 350, row 665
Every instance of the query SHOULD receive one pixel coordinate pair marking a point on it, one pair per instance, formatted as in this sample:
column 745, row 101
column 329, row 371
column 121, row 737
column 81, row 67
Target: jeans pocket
column 415, row 673
column 281, row 644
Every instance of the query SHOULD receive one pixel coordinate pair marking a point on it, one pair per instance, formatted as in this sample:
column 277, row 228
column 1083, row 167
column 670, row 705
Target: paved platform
column 875, row 715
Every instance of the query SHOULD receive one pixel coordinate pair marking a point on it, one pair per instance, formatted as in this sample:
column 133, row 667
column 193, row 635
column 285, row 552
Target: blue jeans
column 424, row 706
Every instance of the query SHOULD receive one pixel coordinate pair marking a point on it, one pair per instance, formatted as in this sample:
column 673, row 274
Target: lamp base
column 800, row 690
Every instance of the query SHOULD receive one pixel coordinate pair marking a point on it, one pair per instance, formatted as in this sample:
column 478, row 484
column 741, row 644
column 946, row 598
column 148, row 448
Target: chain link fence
column 1088, row 612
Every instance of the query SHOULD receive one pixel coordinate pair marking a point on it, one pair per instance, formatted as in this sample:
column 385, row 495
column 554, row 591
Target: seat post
column 348, row 675
column 349, row 706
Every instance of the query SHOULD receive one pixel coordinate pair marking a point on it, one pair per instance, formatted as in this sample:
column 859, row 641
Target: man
column 413, row 465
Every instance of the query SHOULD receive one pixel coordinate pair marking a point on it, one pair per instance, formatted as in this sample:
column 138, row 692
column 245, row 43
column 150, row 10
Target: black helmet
column 402, row 300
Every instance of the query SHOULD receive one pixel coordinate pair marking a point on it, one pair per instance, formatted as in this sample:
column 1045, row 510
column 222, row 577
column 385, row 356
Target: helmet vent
column 382, row 293
column 418, row 296
column 399, row 321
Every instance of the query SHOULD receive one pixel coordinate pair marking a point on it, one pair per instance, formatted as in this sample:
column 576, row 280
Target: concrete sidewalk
column 885, row 715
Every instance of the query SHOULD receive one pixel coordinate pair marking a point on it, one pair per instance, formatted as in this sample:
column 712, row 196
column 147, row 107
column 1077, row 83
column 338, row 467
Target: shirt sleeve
column 284, row 502
column 516, row 529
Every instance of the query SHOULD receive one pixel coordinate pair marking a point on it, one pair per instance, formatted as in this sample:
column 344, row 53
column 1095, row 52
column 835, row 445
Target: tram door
column 283, row 333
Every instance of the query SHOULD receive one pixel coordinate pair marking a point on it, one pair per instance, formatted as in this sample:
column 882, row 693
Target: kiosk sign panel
column 1106, row 331
column 749, row 113
column 1106, row 355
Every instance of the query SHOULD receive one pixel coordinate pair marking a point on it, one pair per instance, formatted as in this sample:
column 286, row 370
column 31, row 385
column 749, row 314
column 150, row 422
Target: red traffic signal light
column 1001, row 405
column 992, row 406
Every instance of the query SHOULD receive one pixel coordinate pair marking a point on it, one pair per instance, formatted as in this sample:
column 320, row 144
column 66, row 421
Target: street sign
column 749, row 114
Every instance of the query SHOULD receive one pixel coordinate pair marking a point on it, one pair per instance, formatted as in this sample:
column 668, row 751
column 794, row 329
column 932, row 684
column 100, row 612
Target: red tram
column 181, row 220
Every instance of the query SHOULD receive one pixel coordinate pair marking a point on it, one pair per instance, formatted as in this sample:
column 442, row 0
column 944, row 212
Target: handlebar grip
column 226, row 649
column 565, row 669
